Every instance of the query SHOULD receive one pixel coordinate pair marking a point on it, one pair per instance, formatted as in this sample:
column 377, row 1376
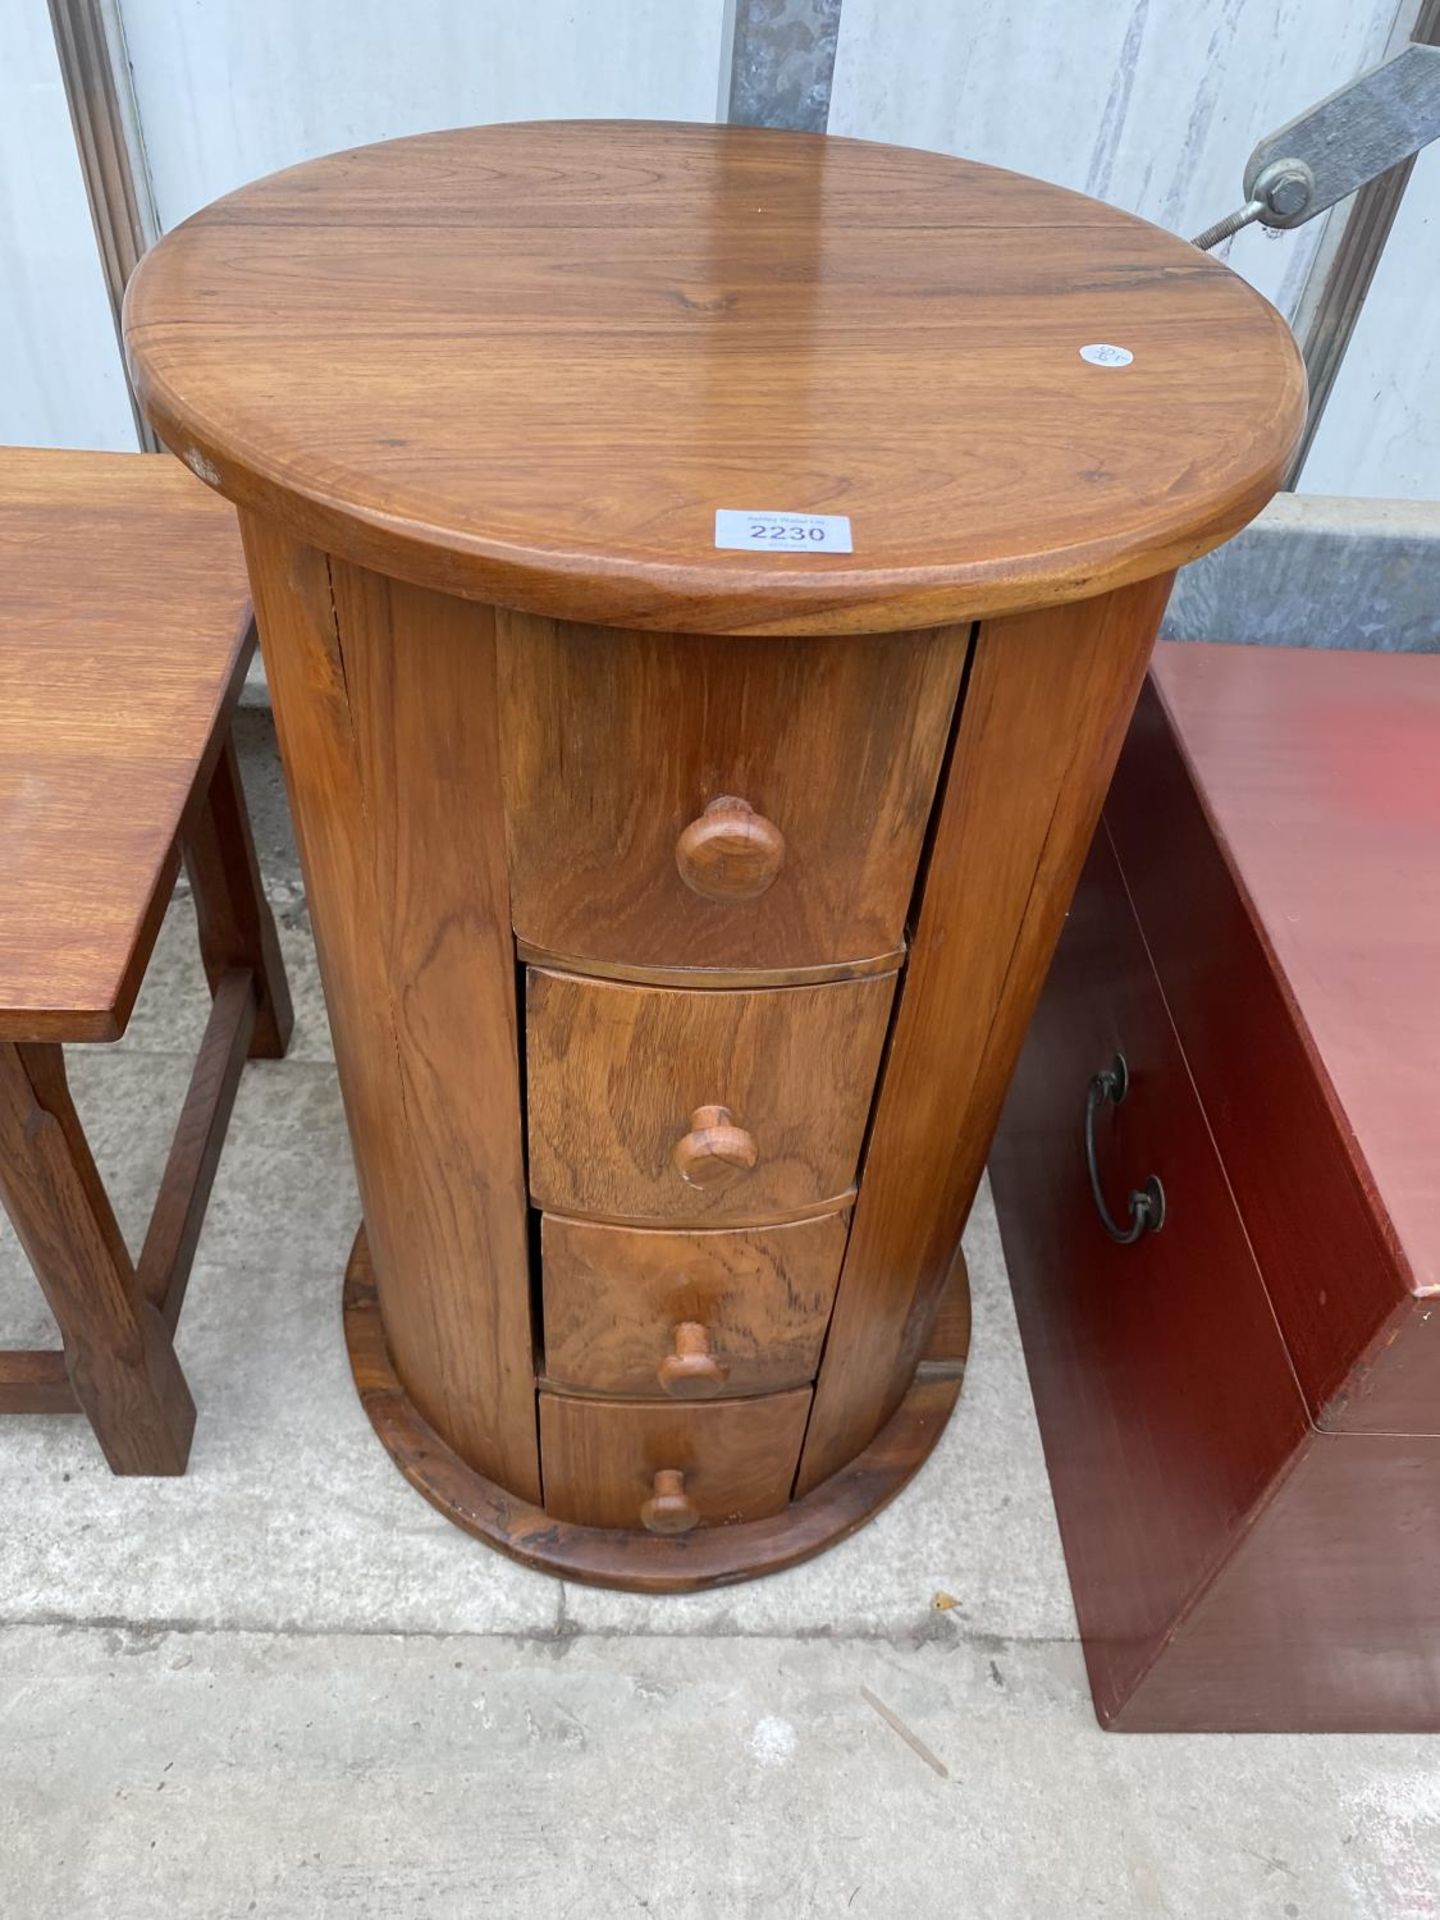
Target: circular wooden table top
column 528, row 363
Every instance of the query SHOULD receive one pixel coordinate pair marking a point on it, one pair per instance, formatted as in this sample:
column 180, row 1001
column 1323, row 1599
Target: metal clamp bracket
column 1339, row 144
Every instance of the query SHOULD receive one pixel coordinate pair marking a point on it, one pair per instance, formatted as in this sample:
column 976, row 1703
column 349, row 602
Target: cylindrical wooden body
column 681, row 908
column 593, row 1105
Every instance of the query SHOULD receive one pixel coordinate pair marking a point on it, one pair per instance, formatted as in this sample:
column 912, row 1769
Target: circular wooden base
column 617, row 1557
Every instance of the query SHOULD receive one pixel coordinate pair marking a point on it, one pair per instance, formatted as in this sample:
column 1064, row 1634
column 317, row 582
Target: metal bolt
column 1279, row 196
column 1285, row 186
column 1232, row 223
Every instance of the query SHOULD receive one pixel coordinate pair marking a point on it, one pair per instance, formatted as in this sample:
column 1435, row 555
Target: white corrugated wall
column 61, row 379
column 1153, row 104
column 231, row 89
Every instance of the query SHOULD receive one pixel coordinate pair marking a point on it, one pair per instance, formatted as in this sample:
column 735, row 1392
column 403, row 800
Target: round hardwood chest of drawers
column 704, row 575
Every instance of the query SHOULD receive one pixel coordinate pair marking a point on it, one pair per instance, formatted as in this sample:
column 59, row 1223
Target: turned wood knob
column 731, row 852
column 669, row 1508
column 714, row 1150
column 692, row 1371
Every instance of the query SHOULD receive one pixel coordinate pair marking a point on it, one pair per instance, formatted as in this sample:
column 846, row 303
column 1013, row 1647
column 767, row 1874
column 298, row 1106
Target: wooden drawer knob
column 714, row 1150
column 731, row 852
column 669, row 1508
column 692, row 1371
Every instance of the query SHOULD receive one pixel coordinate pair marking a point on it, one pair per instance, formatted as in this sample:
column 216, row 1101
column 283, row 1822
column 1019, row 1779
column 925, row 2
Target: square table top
column 124, row 636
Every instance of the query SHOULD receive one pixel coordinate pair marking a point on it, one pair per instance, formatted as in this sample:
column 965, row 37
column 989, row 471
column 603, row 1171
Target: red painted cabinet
column 1241, row 1411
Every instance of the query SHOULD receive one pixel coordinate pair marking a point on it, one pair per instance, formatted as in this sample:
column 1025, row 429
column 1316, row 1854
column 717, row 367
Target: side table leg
column 118, row 1352
column 237, row 928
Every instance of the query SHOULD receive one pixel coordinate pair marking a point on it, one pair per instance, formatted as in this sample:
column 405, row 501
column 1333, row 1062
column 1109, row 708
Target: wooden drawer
column 627, row 1086
column 616, row 1296
column 599, row 1458
column 617, row 743
column 1163, row 1389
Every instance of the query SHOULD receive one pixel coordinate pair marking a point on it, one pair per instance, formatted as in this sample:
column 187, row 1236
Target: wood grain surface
column 528, row 363
column 386, row 710
column 1165, row 1395
column 34, row 1380
column 1326, row 1618
column 122, row 585
column 616, row 743
column 119, row 1354
column 125, row 633
column 233, row 918
column 616, row 1074
column 1277, row 813
column 615, row 1295
column 173, row 1232
column 1235, row 1564
column 948, row 1347
column 626, row 1556
column 1050, row 694
column 737, row 1456
column 705, row 977
column 525, row 366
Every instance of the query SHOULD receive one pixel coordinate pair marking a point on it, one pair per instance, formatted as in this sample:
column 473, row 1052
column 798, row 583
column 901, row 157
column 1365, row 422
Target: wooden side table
column 681, row 904
column 125, row 632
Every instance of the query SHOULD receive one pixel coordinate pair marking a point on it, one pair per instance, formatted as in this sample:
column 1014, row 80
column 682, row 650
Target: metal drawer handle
column 1147, row 1202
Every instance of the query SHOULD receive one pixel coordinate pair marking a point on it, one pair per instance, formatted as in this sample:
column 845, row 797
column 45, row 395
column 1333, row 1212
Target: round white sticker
column 1100, row 355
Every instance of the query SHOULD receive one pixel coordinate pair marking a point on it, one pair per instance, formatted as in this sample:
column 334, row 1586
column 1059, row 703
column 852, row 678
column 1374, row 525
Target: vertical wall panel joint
column 782, row 63
column 89, row 43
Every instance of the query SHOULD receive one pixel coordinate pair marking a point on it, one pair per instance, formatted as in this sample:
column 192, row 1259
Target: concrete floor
column 283, row 1686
